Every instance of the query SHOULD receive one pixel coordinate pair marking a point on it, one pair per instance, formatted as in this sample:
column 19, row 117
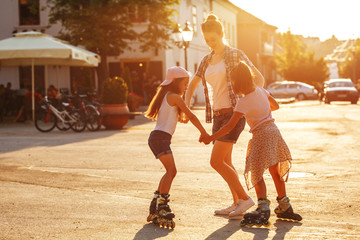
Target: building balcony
column 267, row 49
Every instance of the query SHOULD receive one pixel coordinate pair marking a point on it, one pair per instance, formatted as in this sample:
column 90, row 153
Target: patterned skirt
column 265, row 149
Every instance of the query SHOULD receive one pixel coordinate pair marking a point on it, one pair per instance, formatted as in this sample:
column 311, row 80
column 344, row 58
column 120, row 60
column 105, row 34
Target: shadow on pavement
column 259, row 233
column 17, row 136
column 283, row 227
column 151, row 231
column 226, row 231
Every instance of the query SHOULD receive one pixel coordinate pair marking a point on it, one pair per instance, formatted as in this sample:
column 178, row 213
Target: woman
column 215, row 69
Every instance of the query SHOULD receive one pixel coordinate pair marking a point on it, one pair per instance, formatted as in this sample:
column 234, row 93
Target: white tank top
column 167, row 117
column 215, row 75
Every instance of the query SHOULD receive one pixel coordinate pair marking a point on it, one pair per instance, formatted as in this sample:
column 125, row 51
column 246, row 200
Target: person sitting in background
column 10, row 104
column 25, row 111
column 53, row 92
column 54, row 95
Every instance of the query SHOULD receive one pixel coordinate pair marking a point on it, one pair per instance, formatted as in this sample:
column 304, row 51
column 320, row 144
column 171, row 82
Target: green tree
column 297, row 64
column 107, row 26
column 351, row 67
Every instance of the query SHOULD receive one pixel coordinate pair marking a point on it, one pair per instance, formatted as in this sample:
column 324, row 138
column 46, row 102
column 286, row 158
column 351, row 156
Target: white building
column 15, row 18
column 338, row 57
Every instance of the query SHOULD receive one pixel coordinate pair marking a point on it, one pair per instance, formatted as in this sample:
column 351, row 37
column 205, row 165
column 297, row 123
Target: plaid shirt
column 232, row 57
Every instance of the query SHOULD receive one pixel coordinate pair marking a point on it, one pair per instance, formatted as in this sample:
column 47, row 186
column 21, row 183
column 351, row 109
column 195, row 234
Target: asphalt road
column 98, row 185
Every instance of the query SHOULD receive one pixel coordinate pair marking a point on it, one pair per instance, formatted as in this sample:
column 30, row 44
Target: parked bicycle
column 47, row 117
column 91, row 110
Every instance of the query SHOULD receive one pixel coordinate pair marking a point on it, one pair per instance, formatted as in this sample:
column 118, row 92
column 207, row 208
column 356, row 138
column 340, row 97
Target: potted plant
column 114, row 99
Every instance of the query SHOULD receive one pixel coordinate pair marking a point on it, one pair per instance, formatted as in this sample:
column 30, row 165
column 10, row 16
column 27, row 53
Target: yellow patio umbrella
column 35, row 48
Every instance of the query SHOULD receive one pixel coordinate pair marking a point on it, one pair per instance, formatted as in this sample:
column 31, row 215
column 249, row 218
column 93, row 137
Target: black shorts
column 233, row 135
column 159, row 143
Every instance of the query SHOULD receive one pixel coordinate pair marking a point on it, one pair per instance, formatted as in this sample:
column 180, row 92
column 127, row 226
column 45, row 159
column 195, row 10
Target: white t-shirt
column 256, row 107
column 167, row 117
column 215, row 75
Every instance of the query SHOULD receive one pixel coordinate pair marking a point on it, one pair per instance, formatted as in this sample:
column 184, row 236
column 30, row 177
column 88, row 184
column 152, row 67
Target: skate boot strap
column 284, row 205
column 162, row 201
column 263, row 202
column 284, row 199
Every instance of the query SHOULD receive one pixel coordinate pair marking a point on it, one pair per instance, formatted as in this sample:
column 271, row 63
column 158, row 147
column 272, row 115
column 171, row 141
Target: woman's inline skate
column 259, row 217
column 152, row 209
column 285, row 211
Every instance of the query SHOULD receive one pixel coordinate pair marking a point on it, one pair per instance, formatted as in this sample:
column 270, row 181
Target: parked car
column 340, row 89
column 274, row 84
column 291, row 89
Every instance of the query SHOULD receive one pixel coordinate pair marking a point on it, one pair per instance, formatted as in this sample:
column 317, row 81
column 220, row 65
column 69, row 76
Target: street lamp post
column 182, row 38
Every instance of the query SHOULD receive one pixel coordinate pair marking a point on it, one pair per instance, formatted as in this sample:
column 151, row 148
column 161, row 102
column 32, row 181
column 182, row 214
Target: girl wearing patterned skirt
column 266, row 150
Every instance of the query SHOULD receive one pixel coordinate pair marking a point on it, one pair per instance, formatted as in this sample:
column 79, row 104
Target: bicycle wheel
column 63, row 126
column 45, row 120
column 79, row 118
column 93, row 120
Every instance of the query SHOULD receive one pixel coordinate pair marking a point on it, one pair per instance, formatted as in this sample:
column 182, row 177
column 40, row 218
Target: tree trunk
column 102, row 71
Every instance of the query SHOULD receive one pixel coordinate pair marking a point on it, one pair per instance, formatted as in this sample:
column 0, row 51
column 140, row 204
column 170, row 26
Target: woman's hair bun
column 212, row 17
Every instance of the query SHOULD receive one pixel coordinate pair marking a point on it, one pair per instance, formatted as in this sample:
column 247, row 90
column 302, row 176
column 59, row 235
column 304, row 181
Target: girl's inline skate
column 259, row 217
column 152, row 209
column 285, row 211
column 164, row 214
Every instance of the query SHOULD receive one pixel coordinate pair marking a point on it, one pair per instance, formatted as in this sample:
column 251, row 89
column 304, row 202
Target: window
column 132, row 13
column 283, row 86
column 293, row 86
column 138, row 14
column 233, row 35
column 25, row 78
column 82, row 80
column 230, row 33
column 194, row 19
column 29, row 12
column 205, row 14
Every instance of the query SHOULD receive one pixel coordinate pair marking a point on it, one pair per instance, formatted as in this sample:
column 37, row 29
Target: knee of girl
column 172, row 173
column 216, row 164
column 274, row 171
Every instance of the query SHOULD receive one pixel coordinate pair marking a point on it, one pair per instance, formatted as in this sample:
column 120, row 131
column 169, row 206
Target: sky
column 310, row 18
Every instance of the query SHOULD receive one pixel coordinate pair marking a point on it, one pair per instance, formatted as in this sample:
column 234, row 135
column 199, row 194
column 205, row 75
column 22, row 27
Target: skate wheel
column 246, row 223
column 258, row 223
column 172, row 224
column 267, row 224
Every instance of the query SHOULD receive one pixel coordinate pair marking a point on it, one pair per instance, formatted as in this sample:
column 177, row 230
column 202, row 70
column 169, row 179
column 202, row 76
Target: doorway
column 138, row 75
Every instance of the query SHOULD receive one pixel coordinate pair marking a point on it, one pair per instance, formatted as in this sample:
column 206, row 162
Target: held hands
column 205, row 138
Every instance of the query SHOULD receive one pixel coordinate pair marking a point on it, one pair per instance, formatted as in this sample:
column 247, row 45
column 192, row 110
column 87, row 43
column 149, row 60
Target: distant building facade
column 257, row 39
column 338, row 57
column 15, row 16
column 242, row 30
